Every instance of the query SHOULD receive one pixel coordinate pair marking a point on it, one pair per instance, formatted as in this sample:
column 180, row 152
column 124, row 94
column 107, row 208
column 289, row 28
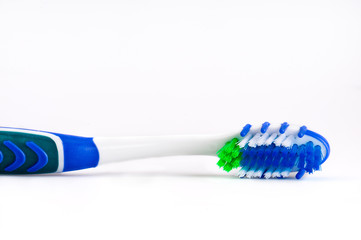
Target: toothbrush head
column 274, row 151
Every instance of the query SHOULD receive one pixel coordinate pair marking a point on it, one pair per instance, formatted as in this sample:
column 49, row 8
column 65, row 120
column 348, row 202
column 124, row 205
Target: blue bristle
column 318, row 158
column 271, row 169
column 300, row 173
column 253, row 153
column 285, row 160
column 264, row 160
column 245, row 130
column 309, row 157
column 259, row 158
column 268, row 156
column 244, row 152
column 301, row 158
column 291, row 158
column 274, row 155
column 278, row 159
column 264, row 127
column 246, row 159
column 283, row 127
column 302, row 131
column 246, row 163
column 274, row 159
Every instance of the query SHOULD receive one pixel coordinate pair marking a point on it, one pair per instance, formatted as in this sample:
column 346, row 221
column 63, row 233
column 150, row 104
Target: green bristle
column 228, row 167
column 235, row 152
column 228, row 158
column 236, row 162
column 221, row 163
column 230, row 145
column 228, row 149
column 222, row 154
column 229, row 155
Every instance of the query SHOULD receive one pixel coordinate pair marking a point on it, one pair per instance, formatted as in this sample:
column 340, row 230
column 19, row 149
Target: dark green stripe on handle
column 21, row 142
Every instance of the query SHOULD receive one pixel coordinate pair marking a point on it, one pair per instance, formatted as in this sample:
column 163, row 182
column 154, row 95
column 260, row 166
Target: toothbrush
column 264, row 151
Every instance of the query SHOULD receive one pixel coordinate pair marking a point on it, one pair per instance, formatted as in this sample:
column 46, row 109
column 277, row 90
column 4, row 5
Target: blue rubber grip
column 79, row 152
column 42, row 157
column 19, row 156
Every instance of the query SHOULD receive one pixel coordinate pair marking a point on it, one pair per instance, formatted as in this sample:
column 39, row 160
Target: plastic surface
column 42, row 157
column 79, row 152
column 19, row 156
column 28, row 151
column 127, row 148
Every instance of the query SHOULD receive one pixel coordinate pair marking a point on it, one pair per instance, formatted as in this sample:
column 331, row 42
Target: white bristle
column 258, row 173
column 250, row 174
column 289, row 141
column 245, row 140
column 262, row 139
column 292, row 130
column 285, row 173
column 242, row 173
column 253, row 141
column 276, row 174
column 270, row 140
column 280, row 139
column 267, row 175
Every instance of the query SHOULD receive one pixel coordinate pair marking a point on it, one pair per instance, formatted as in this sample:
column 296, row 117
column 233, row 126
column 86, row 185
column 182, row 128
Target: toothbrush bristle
column 274, row 152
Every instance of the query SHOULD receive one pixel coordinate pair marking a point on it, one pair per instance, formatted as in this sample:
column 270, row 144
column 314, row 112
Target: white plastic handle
column 127, row 148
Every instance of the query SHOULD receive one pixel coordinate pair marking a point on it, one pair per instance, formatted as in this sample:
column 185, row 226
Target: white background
column 108, row 68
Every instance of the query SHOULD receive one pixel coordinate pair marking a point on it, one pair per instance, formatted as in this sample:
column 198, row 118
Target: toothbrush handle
column 127, row 148
column 24, row 151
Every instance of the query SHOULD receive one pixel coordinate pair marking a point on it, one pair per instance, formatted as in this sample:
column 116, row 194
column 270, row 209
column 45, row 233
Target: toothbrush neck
column 127, row 148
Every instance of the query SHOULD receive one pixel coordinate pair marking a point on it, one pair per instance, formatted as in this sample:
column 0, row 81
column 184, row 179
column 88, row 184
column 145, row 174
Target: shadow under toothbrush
column 137, row 174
